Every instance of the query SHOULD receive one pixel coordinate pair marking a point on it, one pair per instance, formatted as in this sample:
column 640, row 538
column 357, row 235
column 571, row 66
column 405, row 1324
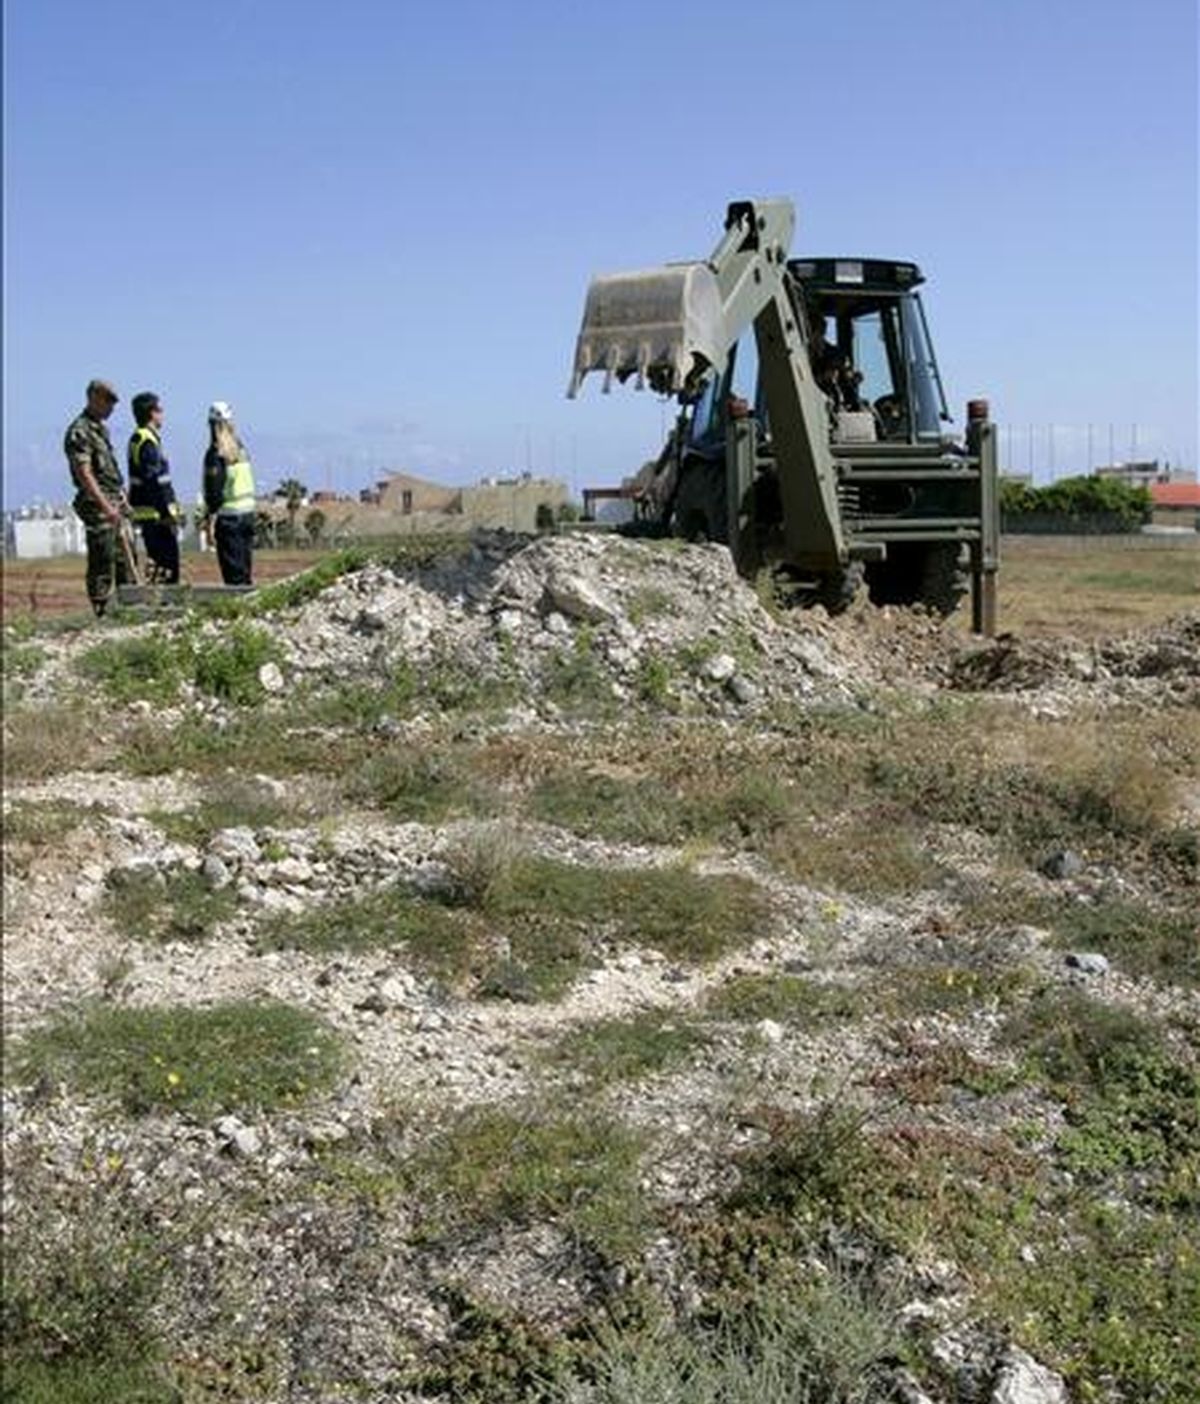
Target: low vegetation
column 620, row 1050
column 245, row 1056
column 785, row 999
column 36, row 828
column 43, row 741
column 641, row 1192
column 495, row 1168
column 82, row 1274
column 238, row 803
column 153, row 665
column 149, row 905
column 509, row 925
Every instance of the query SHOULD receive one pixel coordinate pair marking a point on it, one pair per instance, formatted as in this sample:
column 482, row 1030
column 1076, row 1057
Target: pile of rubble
column 1159, row 664
column 510, row 608
column 659, row 622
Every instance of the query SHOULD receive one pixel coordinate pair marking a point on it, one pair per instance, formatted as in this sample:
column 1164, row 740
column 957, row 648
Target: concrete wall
column 1177, row 517
column 423, row 496
column 511, row 505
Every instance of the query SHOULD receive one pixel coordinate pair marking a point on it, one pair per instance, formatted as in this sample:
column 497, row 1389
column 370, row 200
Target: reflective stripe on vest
column 140, row 436
column 239, row 488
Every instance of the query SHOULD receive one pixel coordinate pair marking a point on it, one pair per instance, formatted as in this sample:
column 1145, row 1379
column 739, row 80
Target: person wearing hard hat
column 99, row 493
column 229, row 495
column 151, row 493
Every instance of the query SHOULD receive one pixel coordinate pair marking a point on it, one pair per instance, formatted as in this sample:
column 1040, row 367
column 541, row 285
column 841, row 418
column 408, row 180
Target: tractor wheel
column 835, row 592
column 838, row 590
column 932, row 574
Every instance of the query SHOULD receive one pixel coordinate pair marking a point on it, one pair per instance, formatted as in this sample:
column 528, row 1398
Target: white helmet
column 220, row 412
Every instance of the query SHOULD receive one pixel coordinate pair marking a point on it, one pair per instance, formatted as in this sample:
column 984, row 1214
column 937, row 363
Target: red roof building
column 1182, row 495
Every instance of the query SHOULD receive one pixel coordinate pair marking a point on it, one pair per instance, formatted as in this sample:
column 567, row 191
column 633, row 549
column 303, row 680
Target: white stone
column 1089, row 962
column 216, row 872
column 769, row 1031
column 236, row 846
column 742, row 689
column 271, row 678
column 397, row 989
column 246, row 1142
column 293, row 870
column 720, row 667
column 577, row 598
column 1023, row 1381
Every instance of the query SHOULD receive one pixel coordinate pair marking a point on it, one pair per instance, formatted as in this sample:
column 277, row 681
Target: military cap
column 102, row 387
column 144, row 404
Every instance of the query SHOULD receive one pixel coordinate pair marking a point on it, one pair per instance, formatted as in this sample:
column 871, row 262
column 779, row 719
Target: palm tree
column 294, row 492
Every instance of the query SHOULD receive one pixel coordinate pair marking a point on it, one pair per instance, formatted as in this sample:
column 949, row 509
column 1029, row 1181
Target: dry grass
column 52, row 740
column 1051, row 586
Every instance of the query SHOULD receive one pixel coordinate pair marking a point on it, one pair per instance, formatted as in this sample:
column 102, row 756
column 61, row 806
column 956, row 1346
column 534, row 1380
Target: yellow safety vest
column 141, row 435
column 239, row 488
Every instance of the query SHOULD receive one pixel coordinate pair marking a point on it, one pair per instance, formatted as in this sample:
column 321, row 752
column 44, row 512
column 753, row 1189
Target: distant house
column 1176, row 504
column 493, row 502
column 406, row 495
column 1135, row 474
column 36, row 537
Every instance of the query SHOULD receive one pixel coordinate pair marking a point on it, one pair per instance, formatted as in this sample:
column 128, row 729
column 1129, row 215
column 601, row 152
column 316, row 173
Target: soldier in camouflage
column 99, row 492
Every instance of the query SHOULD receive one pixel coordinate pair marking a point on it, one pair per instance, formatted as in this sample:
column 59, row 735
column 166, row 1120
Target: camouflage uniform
column 87, row 438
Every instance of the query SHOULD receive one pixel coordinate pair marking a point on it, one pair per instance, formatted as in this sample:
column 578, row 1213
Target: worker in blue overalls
column 151, row 492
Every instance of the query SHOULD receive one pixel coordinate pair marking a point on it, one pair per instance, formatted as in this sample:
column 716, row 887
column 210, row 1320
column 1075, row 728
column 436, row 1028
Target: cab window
column 871, row 357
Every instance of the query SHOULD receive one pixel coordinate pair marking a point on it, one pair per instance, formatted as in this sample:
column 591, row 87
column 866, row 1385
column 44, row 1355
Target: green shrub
column 620, row 1050
column 299, row 589
column 684, row 915
column 178, row 906
column 1130, row 1106
column 81, row 1276
column 21, row 661
column 228, row 666
column 574, row 678
column 653, row 682
column 148, row 666
column 1078, row 497
column 243, row 1055
column 788, row 998
column 820, row 1341
column 492, row 1167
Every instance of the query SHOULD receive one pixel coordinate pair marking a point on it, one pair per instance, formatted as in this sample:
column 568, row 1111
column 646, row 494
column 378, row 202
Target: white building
column 29, row 538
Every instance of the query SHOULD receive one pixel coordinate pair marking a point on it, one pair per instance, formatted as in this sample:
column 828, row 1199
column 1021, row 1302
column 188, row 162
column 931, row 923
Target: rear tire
column 932, row 574
column 834, row 592
column 838, row 591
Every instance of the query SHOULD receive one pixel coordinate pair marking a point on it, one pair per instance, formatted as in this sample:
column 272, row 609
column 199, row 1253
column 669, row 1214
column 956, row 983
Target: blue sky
column 370, row 226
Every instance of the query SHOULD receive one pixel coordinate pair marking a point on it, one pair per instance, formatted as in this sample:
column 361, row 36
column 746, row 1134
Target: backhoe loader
column 811, row 432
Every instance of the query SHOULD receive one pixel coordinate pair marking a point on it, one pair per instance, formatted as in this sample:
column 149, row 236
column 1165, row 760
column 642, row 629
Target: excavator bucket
column 663, row 325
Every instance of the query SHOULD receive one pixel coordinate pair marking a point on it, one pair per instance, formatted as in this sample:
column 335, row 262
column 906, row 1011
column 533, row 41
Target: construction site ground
column 518, row 969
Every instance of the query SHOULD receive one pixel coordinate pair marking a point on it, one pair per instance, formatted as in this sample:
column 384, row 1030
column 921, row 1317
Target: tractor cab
column 870, row 312
column 871, row 350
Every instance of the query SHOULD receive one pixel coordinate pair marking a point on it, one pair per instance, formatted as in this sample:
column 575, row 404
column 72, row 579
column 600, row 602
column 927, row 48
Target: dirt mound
column 662, row 620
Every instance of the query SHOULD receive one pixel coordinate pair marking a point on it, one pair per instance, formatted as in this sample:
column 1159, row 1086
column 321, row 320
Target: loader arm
column 674, row 327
